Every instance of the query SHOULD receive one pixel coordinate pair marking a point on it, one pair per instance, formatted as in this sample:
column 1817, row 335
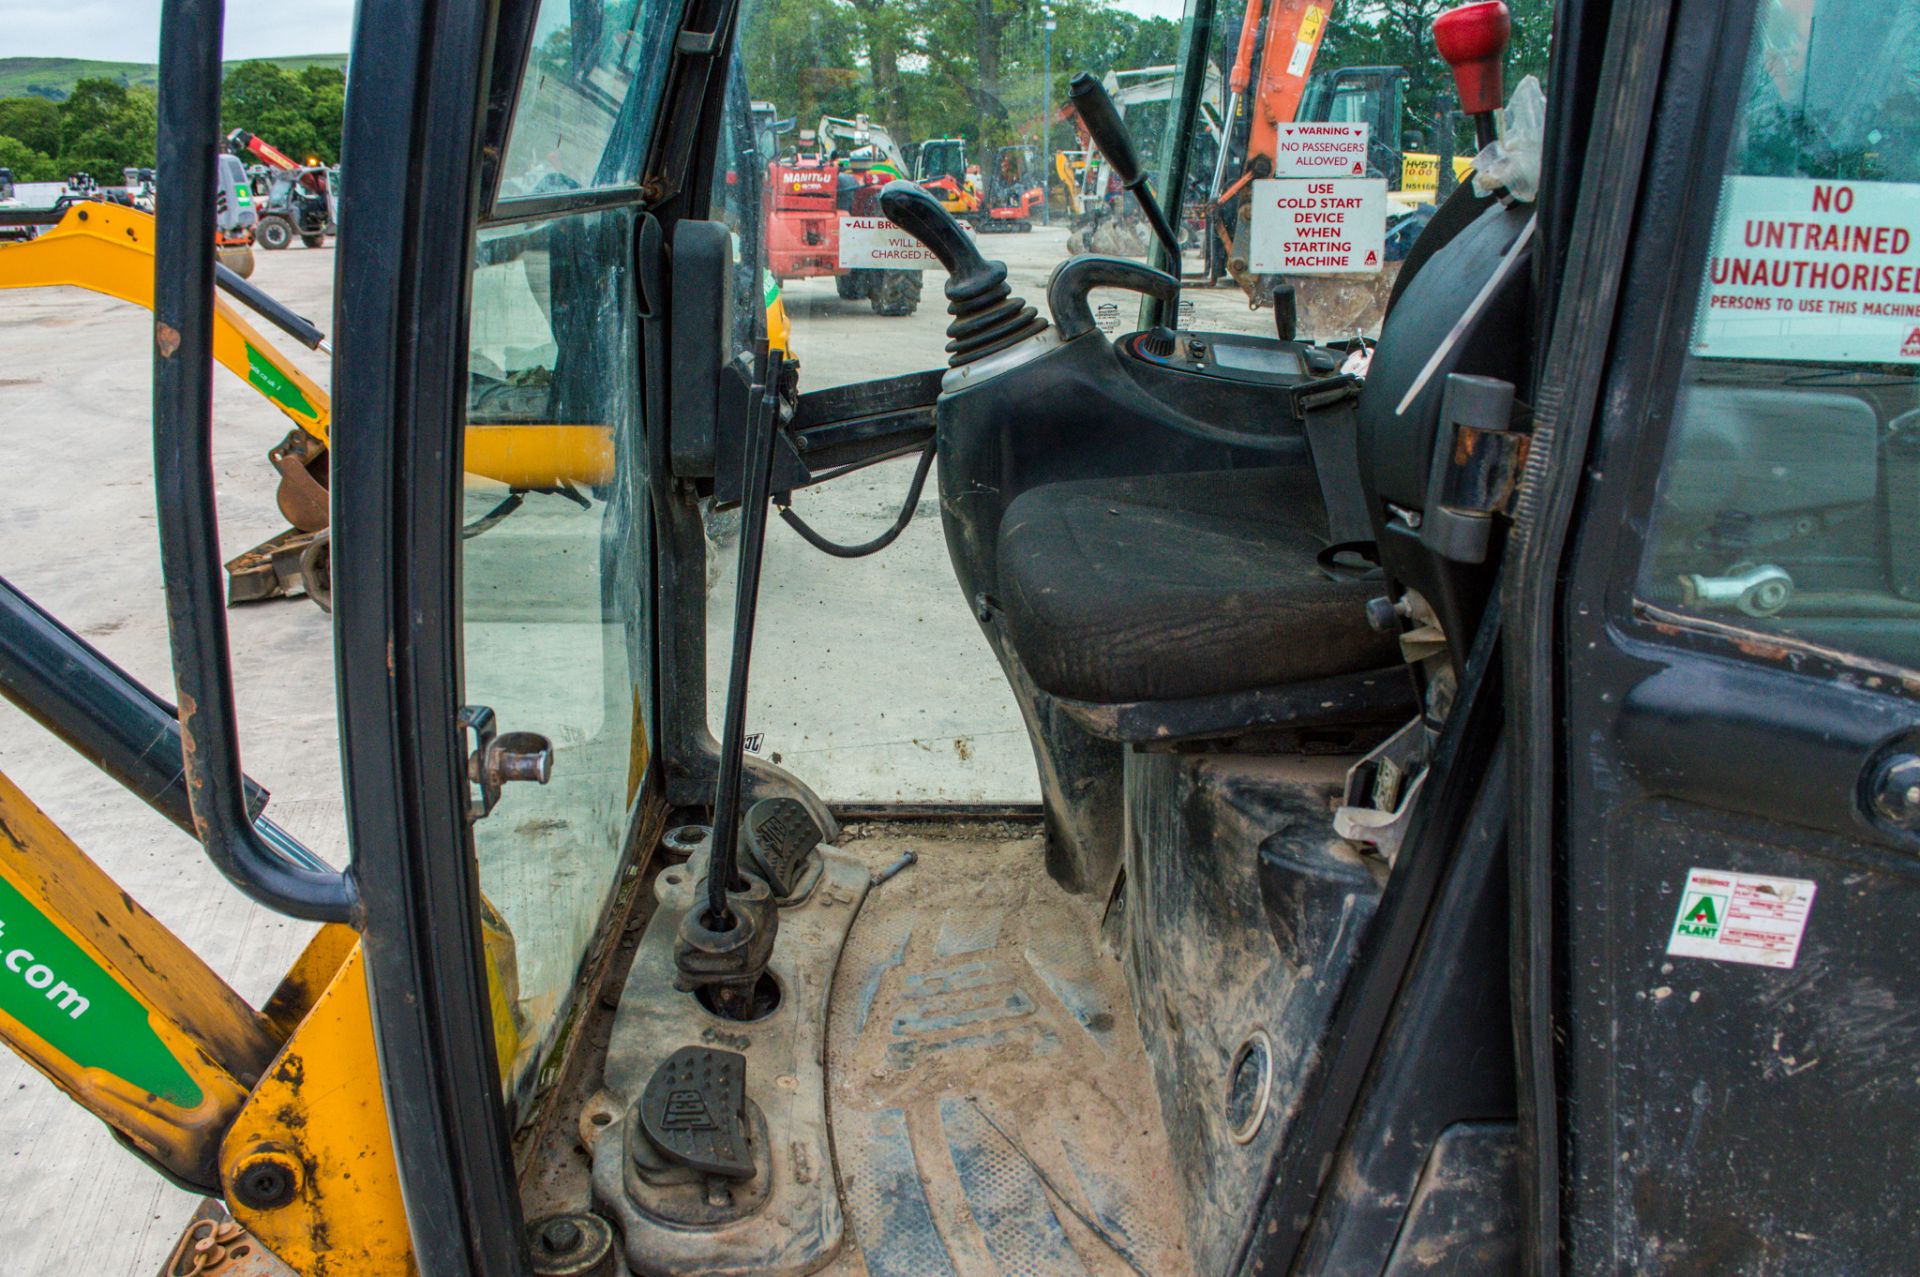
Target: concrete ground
column 871, row 679
column 77, row 533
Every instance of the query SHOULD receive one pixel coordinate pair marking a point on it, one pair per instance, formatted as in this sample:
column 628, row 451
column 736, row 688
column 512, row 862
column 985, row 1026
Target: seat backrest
column 1453, row 308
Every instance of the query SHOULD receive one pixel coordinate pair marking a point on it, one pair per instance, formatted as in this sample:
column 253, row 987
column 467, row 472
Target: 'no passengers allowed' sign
column 1318, row 226
column 1320, row 150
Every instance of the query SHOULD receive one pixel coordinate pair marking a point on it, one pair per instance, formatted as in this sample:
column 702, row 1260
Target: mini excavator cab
column 1477, row 765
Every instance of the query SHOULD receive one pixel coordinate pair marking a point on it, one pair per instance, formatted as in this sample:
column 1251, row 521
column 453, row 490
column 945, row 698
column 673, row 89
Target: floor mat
column 990, row 1102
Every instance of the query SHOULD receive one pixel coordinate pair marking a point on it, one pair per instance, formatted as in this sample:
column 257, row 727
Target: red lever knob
column 1473, row 38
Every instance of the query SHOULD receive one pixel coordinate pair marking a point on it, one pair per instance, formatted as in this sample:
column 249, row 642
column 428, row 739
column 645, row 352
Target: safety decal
column 1736, row 917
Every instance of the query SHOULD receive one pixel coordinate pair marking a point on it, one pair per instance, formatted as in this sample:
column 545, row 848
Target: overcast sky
column 129, row 30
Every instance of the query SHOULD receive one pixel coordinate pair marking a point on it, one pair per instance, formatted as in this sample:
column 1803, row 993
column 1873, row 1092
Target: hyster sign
column 1320, row 150
column 1812, row 270
column 1334, row 226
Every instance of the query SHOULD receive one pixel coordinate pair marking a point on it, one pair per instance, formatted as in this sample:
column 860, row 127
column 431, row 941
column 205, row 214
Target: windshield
column 589, row 96
column 1272, row 80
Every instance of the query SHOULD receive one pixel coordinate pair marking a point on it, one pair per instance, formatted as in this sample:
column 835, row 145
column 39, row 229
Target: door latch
column 499, row 758
column 1894, row 790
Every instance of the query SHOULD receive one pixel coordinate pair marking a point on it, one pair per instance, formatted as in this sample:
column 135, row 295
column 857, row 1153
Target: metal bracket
column 499, row 758
column 1479, row 453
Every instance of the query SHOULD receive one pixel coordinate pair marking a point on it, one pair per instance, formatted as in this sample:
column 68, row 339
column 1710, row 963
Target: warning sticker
column 1318, row 226
column 1813, row 270
column 1735, row 917
column 1306, row 40
column 868, row 243
column 1320, row 150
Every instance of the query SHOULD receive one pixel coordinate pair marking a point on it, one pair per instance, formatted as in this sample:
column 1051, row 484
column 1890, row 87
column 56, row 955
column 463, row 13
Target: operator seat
column 1141, row 543
column 1193, row 598
column 1175, row 586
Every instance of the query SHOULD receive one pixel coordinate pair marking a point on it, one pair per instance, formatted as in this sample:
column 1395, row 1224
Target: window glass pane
column 590, row 95
column 1790, row 502
column 556, row 616
column 1319, row 64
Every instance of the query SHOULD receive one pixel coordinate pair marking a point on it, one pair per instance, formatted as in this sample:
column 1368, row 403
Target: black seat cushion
column 1161, row 587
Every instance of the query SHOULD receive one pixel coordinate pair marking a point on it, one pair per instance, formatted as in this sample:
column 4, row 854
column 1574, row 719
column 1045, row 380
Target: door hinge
column 1479, row 453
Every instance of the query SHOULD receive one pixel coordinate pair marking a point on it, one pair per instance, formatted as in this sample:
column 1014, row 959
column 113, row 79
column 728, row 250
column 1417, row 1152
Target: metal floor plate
column 990, row 1103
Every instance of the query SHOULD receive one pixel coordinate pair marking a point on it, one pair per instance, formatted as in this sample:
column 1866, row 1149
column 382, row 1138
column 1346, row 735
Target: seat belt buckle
column 1307, row 397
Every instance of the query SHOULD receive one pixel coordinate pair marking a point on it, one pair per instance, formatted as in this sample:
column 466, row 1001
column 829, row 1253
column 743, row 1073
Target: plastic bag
column 1512, row 160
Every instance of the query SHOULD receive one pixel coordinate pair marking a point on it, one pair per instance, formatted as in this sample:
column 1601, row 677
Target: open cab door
column 1712, row 639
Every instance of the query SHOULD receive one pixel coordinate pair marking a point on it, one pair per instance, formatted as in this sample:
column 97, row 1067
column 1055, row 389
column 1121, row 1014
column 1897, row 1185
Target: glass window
column 1790, row 501
column 556, row 613
column 590, row 95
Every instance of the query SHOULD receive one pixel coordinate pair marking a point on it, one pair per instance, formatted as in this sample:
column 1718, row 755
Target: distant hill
column 55, row 77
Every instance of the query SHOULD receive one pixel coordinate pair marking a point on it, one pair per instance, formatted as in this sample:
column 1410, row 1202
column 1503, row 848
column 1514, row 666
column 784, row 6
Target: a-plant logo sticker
column 1741, row 917
column 1701, row 919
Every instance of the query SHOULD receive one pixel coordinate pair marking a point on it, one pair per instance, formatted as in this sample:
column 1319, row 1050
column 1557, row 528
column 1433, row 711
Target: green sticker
column 1702, row 919
column 276, row 385
column 52, row 986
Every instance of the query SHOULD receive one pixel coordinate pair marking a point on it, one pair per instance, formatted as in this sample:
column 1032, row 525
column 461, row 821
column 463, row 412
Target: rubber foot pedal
column 694, row 1111
column 781, row 837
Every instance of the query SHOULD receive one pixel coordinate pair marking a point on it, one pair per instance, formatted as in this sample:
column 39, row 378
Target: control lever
column 1073, row 279
column 1473, row 39
column 1115, row 143
column 724, row 943
column 986, row 315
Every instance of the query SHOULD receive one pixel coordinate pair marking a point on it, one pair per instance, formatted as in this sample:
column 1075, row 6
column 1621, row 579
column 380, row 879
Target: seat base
column 1172, row 587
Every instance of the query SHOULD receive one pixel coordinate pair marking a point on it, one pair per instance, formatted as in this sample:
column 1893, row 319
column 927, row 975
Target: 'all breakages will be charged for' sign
column 1315, row 217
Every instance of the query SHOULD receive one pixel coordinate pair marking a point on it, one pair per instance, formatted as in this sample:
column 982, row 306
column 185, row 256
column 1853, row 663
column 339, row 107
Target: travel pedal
column 781, row 837
column 694, row 1112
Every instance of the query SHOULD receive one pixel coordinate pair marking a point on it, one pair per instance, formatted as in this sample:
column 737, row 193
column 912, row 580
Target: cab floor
column 989, row 1098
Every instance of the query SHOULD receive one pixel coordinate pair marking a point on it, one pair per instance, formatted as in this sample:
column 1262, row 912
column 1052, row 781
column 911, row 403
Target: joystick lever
column 1473, row 39
column 1115, row 143
column 986, row 315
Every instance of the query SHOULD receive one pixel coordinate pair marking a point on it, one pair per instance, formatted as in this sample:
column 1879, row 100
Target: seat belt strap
column 1326, row 408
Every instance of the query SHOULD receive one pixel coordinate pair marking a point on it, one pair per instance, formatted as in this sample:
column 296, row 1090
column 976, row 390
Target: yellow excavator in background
column 108, row 249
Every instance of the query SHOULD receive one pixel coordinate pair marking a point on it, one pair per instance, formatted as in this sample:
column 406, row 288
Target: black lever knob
column 986, row 316
column 1106, row 128
column 915, row 210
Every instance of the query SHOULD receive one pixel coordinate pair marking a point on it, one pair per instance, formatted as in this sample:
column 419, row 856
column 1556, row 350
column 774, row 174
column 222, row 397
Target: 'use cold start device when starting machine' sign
column 1318, row 226
column 1805, row 269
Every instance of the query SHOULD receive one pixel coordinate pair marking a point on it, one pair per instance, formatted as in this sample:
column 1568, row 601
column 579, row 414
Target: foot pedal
column 781, row 837
column 694, row 1112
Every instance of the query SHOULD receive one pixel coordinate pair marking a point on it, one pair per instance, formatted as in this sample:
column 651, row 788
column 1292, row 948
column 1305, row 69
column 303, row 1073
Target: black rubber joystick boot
column 986, row 315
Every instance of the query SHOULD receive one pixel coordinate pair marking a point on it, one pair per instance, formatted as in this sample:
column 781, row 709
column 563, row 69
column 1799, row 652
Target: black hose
column 881, row 542
column 494, row 517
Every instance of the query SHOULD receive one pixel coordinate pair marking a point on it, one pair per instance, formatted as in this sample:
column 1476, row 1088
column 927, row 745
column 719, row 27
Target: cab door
column 1715, row 640
column 493, row 557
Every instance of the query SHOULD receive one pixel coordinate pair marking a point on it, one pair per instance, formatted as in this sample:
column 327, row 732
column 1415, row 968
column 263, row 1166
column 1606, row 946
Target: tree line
column 105, row 126
column 921, row 68
column 977, row 68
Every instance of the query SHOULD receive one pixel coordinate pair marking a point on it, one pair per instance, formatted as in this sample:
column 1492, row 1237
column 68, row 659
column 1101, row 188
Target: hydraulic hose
column 881, row 542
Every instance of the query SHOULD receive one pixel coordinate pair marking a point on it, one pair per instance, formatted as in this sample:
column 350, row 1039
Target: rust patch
column 167, row 338
column 1765, row 651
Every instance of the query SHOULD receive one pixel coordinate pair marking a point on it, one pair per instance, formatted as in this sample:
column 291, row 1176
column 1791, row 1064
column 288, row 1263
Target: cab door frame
column 409, row 203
